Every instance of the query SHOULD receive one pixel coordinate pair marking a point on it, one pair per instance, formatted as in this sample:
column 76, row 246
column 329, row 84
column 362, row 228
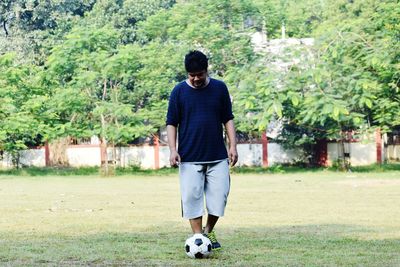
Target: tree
column 217, row 30
column 21, row 104
column 349, row 84
column 31, row 27
column 101, row 88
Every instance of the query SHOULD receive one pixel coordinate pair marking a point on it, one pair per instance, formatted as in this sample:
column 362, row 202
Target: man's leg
column 196, row 225
column 216, row 190
column 211, row 221
column 192, row 194
column 208, row 230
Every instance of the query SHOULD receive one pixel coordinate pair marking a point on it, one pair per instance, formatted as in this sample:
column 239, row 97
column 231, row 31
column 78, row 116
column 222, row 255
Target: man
column 198, row 108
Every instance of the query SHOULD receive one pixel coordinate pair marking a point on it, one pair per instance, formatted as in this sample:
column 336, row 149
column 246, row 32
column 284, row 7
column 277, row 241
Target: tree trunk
column 58, row 152
column 103, row 156
column 103, row 148
column 344, row 155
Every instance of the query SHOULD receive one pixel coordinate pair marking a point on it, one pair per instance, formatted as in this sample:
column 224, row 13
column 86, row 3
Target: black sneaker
column 215, row 245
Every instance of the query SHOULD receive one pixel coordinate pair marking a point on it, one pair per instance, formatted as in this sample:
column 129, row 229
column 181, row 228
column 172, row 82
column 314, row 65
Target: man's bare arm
column 174, row 158
column 231, row 132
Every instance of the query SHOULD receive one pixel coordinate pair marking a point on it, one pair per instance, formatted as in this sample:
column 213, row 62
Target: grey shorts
column 199, row 180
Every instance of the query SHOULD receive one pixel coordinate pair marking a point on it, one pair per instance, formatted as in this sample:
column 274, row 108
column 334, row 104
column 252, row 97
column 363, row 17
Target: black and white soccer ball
column 198, row 246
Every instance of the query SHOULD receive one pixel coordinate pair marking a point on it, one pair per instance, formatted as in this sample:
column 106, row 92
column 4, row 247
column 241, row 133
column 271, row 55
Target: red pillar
column 46, row 154
column 322, row 152
column 264, row 141
column 156, row 152
column 378, row 140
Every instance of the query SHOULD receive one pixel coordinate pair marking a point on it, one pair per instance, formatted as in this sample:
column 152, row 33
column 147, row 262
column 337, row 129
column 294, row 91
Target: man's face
column 198, row 79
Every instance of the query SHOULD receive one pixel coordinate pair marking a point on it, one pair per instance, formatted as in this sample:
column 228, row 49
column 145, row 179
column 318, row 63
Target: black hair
column 196, row 61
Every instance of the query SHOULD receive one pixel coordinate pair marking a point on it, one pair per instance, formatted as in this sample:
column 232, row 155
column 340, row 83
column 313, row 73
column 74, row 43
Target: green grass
column 300, row 169
column 135, row 170
column 320, row 218
column 50, row 171
column 75, row 171
column 377, row 168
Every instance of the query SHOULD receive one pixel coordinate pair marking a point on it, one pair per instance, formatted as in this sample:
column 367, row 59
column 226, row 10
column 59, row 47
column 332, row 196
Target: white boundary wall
column 142, row 156
column 360, row 154
column 164, row 156
column 252, row 154
column 393, row 152
column 249, row 155
column 80, row 156
column 277, row 155
column 30, row 157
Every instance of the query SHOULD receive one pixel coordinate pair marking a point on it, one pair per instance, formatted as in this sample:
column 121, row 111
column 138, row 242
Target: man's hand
column 230, row 131
column 174, row 159
column 233, row 155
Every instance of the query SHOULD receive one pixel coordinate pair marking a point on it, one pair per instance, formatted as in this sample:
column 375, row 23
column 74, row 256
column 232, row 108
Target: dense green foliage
column 21, row 103
column 106, row 68
column 349, row 83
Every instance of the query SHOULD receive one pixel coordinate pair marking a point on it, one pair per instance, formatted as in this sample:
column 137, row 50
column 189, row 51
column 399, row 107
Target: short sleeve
column 227, row 114
column 173, row 109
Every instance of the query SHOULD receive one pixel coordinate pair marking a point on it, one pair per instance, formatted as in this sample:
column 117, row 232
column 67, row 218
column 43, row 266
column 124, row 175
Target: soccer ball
column 198, row 246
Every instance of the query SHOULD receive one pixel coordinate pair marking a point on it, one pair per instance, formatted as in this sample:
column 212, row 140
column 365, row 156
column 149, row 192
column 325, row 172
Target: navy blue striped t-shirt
column 199, row 114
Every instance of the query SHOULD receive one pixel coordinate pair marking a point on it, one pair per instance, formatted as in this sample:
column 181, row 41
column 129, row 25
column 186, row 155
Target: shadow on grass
column 310, row 245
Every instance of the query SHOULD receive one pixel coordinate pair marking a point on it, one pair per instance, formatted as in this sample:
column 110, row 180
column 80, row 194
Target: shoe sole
column 216, row 249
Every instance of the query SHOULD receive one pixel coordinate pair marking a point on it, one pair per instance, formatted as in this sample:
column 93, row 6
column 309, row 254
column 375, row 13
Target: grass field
column 317, row 218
